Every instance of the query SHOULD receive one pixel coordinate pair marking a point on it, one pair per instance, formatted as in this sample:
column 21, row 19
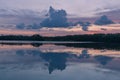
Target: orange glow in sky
column 76, row 30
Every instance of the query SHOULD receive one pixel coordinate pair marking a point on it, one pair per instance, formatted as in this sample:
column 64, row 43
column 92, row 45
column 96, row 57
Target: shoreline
column 27, row 42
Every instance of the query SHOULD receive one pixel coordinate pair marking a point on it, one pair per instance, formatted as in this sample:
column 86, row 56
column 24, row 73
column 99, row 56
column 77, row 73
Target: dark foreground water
column 60, row 61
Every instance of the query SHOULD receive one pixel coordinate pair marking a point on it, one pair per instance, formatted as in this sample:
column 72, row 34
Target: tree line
column 115, row 38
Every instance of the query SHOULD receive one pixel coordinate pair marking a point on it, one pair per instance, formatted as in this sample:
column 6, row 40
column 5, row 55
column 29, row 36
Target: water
column 59, row 61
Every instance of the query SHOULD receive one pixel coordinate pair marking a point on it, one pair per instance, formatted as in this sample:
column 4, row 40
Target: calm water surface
column 60, row 61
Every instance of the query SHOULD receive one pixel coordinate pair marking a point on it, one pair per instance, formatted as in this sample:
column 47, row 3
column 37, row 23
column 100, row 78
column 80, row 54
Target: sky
column 84, row 8
column 76, row 30
column 28, row 11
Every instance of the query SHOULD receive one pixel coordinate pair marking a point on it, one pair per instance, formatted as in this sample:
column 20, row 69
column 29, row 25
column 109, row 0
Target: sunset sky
column 75, row 30
column 18, row 11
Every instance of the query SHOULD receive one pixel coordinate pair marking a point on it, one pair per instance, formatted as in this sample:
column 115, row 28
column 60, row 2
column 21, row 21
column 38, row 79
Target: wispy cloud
column 85, row 8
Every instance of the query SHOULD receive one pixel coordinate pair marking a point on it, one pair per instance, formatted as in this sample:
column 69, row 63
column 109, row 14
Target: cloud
column 85, row 8
column 56, row 18
column 104, row 20
column 84, row 25
column 15, row 16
